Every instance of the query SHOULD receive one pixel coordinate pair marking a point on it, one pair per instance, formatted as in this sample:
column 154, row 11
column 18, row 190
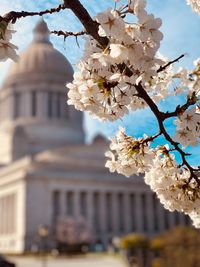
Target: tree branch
column 13, row 15
column 66, row 34
column 170, row 63
column 89, row 24
column 159, row 116
column 191, row 100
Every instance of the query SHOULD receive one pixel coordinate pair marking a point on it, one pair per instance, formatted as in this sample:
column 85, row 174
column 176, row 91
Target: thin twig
column 67, row 34
column 13, row 15
column 170, row 63
column 191, row 100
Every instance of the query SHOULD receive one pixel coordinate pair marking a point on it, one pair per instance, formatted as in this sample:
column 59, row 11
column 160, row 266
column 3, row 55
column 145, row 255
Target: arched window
column 17, row 104
column 121, row 210
column 133, row 212
column 108, row 211
column 33, row 104
column 96, row 217
column 144, row 212
column 58, row 105
column 50, row 104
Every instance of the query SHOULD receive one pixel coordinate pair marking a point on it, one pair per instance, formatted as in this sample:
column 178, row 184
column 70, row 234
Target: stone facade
column 47, row 172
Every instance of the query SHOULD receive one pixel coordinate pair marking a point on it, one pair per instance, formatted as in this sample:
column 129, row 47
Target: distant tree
column 136, row 247
column 72, row 234
column 178, row 247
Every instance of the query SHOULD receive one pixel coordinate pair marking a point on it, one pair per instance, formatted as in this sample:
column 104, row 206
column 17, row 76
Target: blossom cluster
column 194, row 78
column 128, row 155
column 105, row 81
column 188, row 128
column 195, row 5
column 173, row 186
column 7, row 49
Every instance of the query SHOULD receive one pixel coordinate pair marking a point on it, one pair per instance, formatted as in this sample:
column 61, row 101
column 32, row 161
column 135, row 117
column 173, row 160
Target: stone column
column 150, row 213
column 139, row 217
column 4, row 215
column 1, row 215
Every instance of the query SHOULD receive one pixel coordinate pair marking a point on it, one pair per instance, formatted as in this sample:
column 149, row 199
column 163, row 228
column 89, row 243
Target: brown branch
column 159, row 116
column 89, row 24
column 170, row 63
column 13, row 15
column 151, row 138
column 66, row 34
column 191, row 100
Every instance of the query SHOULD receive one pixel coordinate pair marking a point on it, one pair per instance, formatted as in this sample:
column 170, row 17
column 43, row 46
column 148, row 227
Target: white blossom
column 195, row 217
column 188, row 128
column 7, row 49
column 102, row 86
column 174, row 188
column 128, row 155
column 195, row 5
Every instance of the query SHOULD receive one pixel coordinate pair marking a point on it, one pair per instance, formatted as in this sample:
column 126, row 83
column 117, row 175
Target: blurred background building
column 49, row 176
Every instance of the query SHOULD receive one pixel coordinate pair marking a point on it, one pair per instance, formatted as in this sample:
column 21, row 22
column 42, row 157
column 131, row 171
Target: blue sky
column 181, row 28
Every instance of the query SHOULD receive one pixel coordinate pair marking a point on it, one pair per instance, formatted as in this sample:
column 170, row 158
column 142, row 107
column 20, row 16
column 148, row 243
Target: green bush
column 134, row 241
column 178, row 247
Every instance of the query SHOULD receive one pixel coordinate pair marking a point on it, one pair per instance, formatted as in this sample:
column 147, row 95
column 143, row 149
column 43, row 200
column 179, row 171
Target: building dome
column 33, row 101
column 41, row 61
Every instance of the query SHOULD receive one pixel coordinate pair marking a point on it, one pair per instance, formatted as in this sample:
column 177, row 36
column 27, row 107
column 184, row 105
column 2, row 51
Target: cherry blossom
column 128, row 155
column 188, row 128
column 7, row 49
column 102, row 87
column 195, row 5
column 174, row 188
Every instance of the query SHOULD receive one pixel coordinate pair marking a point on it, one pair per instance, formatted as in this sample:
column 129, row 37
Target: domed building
column 48, row 172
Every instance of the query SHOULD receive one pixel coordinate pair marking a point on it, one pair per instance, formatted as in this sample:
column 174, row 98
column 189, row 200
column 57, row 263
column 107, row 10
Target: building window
column 50, row 104
column 121, row 212
column 166, row 218
column 177, row 218
column 64, row 106
column 56, row 205
column 133, row 212
column 96, row 218
column 187, row 220
column 144, row 212
column 70, row 203
column 155, row 212
column 83, row 204
column 17, row 104
column 33, row 103
column 58, row 105
column 108, row 211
